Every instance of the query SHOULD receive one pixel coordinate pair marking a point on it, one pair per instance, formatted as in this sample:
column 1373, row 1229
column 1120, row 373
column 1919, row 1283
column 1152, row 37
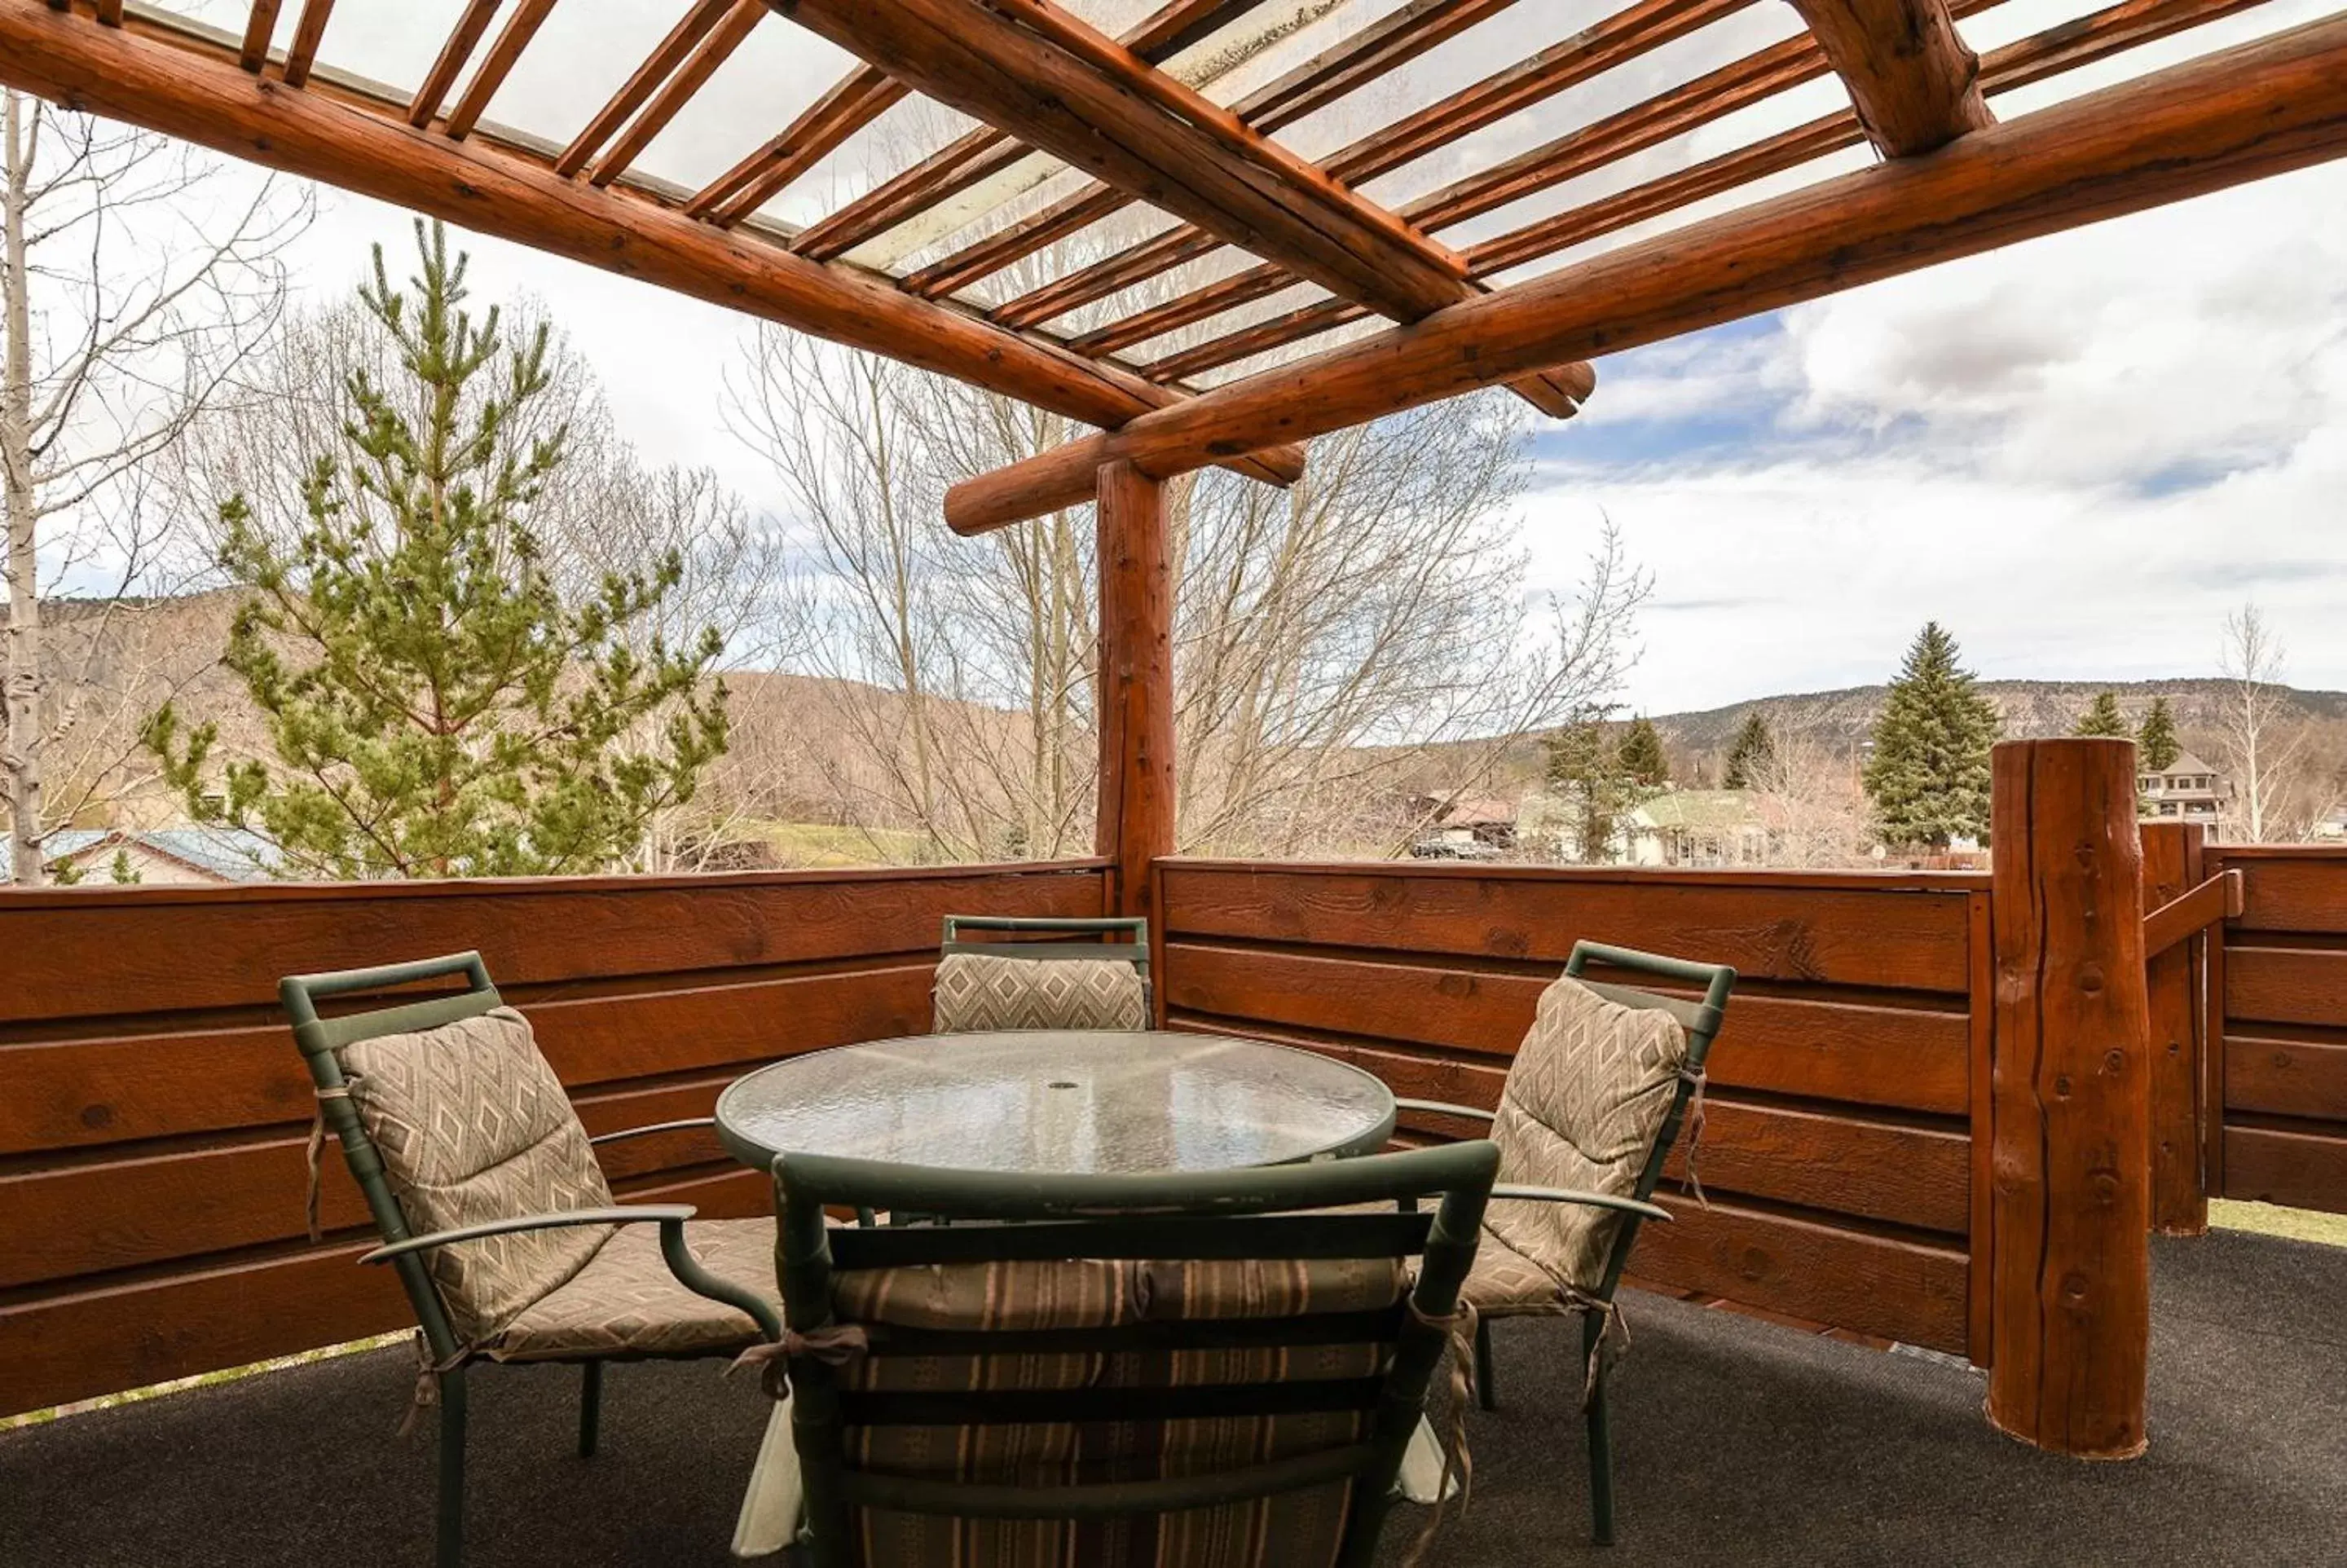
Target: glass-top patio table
column 1063, row 1100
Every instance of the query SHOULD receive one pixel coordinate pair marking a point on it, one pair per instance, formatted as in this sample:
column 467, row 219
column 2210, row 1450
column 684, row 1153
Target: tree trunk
column 20, row 756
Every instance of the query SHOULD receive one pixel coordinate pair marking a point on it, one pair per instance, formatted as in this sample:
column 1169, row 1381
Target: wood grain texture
column 152, row 1169
column 2070, row 1105
column 2302, row 1168
column 1136, row 800
column 2292, row 888
column 2238, row 114
column 2179, row 1198
column 1914, row 84
column 2284, row 985
column 2302, row 1077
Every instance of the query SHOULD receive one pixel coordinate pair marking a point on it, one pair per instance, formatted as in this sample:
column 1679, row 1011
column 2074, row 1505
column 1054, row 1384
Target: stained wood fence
column 1846, row 1122
column 153, row 1109
column 2278, row 1026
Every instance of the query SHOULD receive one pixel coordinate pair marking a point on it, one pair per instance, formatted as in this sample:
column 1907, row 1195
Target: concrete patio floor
column 1740, row 1443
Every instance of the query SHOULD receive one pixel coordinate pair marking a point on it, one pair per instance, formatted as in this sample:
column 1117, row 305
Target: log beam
column 149, row 75
column 1135, row 822
column 2240, row 114
column 2070, row 1101
column 1915, row 85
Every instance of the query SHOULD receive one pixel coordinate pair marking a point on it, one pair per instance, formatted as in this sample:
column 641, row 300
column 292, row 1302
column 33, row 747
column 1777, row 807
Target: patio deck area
column 1739, row 1442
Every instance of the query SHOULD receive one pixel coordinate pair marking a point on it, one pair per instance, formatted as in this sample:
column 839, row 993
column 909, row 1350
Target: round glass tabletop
column 1073, row 1102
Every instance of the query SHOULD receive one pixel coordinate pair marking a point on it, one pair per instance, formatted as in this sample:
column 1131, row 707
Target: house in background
column 161, row 856
column 2187, row 790
column 1469, row 828
column 1698, row 827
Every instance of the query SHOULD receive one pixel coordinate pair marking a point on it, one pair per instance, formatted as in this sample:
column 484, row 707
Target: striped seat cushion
column 1301, row 1528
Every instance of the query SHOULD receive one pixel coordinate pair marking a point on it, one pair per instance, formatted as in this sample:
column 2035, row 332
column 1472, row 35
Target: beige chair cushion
column 626, row 1300
column 472, row 1126
column 977, row 992
column 1295, row 1529
column 1582, row 1103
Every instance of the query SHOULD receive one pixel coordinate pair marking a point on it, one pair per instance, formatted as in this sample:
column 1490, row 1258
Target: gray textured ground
column 1740, row 1444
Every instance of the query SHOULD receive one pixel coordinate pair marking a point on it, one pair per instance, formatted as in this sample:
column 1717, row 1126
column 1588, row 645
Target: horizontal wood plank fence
column 1846, row 1118
column 153, row 1109
column 2277, row 991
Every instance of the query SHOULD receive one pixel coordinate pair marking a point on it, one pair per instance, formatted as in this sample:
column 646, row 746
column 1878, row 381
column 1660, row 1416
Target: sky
column 2079, row 454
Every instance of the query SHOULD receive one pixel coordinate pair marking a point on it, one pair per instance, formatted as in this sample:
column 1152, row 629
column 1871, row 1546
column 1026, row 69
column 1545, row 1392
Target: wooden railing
column 1845, row 1124
column 153, row 1109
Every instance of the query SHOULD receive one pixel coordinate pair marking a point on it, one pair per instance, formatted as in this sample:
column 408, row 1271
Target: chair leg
column 1486, row 1390
column 450, row 1553
column 1601, row 1442
column 590, row 1405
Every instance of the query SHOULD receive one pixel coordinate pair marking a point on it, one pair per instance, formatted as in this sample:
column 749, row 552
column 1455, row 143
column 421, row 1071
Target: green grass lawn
column 820, row 847
column 2269, row 1219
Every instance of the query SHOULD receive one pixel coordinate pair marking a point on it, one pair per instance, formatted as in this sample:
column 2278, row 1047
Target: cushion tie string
column 1691, row 1182
column 1613, row 1339
column 428, row 1373
column 1460, row 1329
column 834, row 1344
column 318, row 1146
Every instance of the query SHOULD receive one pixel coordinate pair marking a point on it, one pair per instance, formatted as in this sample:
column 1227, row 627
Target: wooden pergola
column 1950, row 179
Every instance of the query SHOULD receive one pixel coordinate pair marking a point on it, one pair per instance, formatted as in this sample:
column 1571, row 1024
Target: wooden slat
column 2240, row 114
column 308, row 33
column 2300, row 1170
column 1062, row 87
column 2179, row 1199
column 1850, row 931
column 461, row 40
column 1915, row 85
column 93, row 956
column 1907, row 1058
column 1834, row 1164
column 2284, row 985
column 671, row 52
column 71, row 1346
column 710, row 53
column 2300, row 1078
column 2191, row 912
column 83, row 1093
column 496, row 65
column 807, row 141
column 1647, row 25
column 2296, row 890
column 260, row 26
column 1901, row 1288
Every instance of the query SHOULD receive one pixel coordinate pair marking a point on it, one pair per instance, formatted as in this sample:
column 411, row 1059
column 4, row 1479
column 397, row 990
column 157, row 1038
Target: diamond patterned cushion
column 1582, row 1103
column 472, row 1126
column 625, row 1300
column 1302, row 1529
column 977, row 992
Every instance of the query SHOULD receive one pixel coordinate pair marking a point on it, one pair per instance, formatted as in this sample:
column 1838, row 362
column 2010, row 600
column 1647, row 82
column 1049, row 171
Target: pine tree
column 1928, row 775
column 1641, row 756
column 1749, row 756
column 2157, row 740
column 2102, row 720
column 1586, row 772
column 435, row 708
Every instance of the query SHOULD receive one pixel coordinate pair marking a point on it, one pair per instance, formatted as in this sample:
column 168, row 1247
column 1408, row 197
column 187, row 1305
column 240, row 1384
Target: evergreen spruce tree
column 2157, row 740
column 1749, row 756
column 2102, row 720
column 435, row 706
column 1586, row 772
column 1641, row 756
column 1928, row 775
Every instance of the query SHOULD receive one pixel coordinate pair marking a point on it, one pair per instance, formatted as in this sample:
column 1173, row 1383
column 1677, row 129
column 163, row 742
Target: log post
column 2179, row 1196
column 2070, row 1104
column 1136, row 682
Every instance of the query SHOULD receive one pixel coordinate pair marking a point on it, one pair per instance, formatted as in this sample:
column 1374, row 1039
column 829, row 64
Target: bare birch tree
column 1812, row 804
column 2261, row 750
column 136, row 278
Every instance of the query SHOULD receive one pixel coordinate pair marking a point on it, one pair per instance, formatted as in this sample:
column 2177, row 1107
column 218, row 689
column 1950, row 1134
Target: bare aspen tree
column 136, row 276
column 2262, row 755
column 1812, row 807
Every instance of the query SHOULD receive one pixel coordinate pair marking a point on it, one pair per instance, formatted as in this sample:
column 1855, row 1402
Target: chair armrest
column 1441, row 1108
column 1593, row 1200
column 664, row 1213
column 653, row 1127
column 670, row 1217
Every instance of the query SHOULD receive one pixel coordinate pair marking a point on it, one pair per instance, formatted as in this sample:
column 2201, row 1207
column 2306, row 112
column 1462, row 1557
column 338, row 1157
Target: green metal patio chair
column 1593, row 1104
column 1167, row 1370
column 988, row 985
column 493, row 1210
